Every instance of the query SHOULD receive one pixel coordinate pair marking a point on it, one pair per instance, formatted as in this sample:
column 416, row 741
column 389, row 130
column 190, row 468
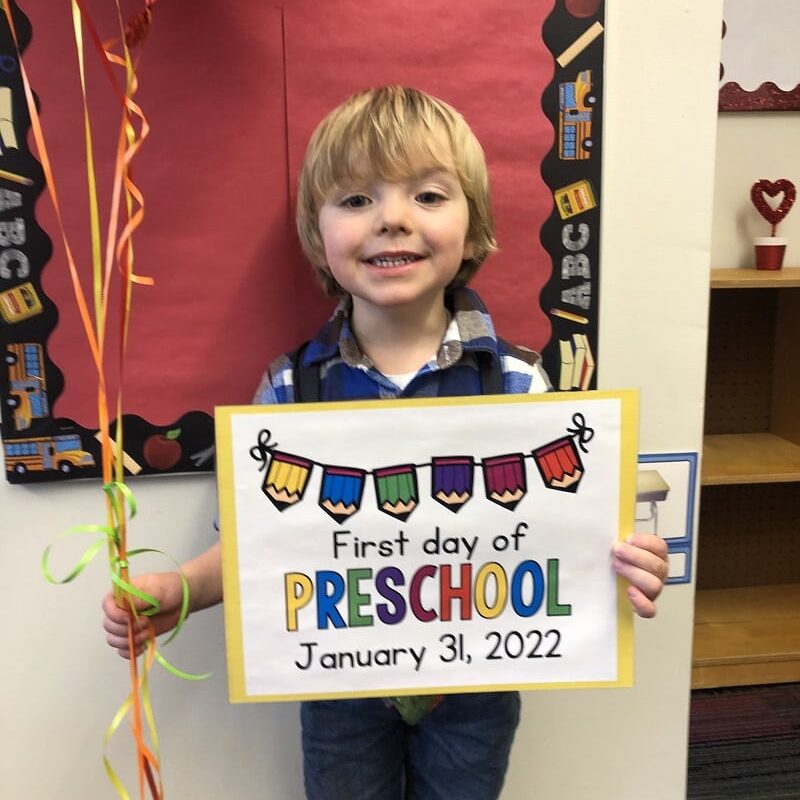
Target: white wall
column 661, row 76
column 61, row 684
column 751, row 146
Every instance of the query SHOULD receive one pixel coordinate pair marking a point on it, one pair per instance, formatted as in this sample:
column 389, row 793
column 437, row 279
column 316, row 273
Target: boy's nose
column 394, row 214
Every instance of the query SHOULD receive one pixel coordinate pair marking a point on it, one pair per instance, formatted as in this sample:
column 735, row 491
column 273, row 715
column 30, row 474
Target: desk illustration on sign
column 665, row 497
column 651, row 489
column 441, row 545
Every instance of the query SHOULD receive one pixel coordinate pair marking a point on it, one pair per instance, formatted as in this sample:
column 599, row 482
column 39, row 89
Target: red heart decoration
column 765, row 187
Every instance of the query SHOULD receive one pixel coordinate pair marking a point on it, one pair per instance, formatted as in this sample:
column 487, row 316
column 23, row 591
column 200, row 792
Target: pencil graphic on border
column 580, row 44
column 581, row 320
column 132, row 466
column 12, row 176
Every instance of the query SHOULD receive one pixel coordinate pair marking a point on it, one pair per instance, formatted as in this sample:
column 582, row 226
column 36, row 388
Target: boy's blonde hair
column 378, row 133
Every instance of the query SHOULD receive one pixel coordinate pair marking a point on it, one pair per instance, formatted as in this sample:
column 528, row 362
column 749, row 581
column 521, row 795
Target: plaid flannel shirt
column 347, row 374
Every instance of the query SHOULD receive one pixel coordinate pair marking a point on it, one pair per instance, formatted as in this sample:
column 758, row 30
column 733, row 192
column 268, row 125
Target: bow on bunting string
column 118, row 252
column 396, row 487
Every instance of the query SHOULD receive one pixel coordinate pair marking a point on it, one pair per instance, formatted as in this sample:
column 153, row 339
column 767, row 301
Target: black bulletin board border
column 40, row 447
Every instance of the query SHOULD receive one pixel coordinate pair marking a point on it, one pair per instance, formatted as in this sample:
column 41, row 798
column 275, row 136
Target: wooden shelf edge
column 735, row 278
column 745, row 675
column 745, row 658
column 737, row 458
column 746, row 636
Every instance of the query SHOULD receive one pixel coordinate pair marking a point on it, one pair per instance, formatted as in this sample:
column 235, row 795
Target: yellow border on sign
column 629, row 423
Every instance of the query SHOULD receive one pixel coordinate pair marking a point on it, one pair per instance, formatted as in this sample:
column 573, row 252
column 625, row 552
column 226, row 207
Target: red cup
column 770, row 251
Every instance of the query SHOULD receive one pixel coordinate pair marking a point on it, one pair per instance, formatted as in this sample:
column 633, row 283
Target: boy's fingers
column 650, row 542
column 645, row 559
column 119, row 640
column 647, row 584
column 115, row 628
column 115, row 624
column 642, row 605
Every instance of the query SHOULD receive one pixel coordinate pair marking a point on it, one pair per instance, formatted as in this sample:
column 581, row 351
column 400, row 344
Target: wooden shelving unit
column 747, row 614
column 748, row 635
column 749, row 458
column 785, row 278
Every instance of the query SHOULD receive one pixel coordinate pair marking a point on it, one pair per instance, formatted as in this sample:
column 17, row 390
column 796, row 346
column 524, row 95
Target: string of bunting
column 127, row 201
column 287, row 476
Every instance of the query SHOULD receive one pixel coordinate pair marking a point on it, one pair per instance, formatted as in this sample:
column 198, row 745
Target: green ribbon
column 111, row 537
column 413, row 708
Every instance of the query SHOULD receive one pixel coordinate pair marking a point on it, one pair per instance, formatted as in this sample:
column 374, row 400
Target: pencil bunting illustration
column 287, row 476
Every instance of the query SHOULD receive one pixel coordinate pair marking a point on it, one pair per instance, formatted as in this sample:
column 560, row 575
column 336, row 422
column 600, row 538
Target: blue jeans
column 362, row 749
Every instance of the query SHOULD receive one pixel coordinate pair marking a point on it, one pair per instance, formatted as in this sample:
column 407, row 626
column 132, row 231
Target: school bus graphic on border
column 575, row 101
column 62, row 452
column 27, row 384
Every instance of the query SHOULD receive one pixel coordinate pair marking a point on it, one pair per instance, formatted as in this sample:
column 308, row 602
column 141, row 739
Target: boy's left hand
column 642, row 560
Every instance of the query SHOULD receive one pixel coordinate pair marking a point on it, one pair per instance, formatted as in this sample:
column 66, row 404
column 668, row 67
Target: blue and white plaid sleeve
column 277, row 384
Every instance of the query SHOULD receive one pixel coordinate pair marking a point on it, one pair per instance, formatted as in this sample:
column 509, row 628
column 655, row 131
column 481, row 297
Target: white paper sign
column 426, row 546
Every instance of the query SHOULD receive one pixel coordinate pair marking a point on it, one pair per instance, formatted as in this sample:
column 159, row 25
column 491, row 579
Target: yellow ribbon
column 118, row 251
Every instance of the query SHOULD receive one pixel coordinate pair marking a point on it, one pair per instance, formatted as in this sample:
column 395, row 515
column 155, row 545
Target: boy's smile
column 390, row 259
column 396, row 243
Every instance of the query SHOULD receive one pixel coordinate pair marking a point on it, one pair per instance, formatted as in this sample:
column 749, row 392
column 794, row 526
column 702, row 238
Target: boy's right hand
column 167, row 588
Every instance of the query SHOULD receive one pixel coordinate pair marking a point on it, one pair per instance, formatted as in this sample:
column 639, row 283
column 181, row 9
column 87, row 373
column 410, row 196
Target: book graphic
column 577, row 363
column 8, row 136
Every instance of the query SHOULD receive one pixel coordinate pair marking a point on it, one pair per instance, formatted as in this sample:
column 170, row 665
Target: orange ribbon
column 119, row 251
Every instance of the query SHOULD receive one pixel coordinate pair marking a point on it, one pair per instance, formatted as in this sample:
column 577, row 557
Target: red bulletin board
column 232, row 92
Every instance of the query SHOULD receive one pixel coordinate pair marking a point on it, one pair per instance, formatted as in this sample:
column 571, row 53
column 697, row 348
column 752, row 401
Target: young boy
column 394, row 215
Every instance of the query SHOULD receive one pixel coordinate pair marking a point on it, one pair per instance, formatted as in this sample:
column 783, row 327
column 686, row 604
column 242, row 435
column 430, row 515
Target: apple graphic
column 583, row 8
column 162, row 450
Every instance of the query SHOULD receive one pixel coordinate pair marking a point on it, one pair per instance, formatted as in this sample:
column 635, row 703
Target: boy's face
column 397, row 243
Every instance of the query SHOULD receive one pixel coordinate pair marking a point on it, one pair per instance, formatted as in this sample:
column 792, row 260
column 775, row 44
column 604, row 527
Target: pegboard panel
column 786, row 386
column 749, row 535
column 741, row 347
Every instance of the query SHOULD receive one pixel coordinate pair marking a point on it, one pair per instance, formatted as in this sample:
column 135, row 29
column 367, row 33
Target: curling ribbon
column 110, row 534
column 119, row 250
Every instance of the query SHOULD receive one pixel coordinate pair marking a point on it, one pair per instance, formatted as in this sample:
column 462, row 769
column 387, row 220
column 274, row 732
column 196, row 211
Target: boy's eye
column 355, row 201
column 430, row 198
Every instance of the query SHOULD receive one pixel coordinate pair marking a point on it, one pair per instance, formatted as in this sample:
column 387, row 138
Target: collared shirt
column 348, row 374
